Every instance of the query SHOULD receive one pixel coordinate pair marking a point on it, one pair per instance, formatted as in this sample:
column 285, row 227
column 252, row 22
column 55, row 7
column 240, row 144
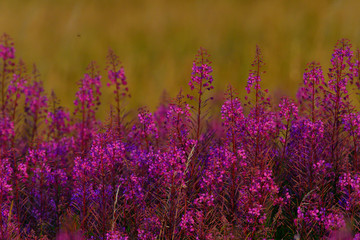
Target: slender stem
column 256, row 110
column 103, row 197
column 199, row 98
column 3, row 88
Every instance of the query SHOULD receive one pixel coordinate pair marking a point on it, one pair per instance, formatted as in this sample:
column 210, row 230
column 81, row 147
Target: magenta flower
column 254, row 78
column 201, row 78
column 340, row 72
column 86, row 104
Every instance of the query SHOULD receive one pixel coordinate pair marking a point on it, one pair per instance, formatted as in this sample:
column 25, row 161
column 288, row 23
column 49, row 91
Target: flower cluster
column 201, row 78
column 257, row 170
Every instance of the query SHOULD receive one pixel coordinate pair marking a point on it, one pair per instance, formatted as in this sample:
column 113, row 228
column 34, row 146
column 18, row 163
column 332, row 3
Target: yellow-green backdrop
column 157, row 40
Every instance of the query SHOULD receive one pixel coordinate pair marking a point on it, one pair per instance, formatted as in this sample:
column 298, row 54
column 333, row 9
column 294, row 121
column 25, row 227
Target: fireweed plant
column 269, row 171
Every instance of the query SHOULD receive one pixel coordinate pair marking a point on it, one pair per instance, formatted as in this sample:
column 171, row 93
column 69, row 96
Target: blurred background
column 157, row 40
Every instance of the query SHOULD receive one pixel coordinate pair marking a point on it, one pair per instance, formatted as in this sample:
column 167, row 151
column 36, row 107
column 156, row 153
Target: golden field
column 156, row 40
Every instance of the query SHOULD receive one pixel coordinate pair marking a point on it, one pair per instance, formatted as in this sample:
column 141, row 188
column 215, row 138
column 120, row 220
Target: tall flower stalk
column 201, row 81
column 86, row 104
column 116, row 75
column 7, row 54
